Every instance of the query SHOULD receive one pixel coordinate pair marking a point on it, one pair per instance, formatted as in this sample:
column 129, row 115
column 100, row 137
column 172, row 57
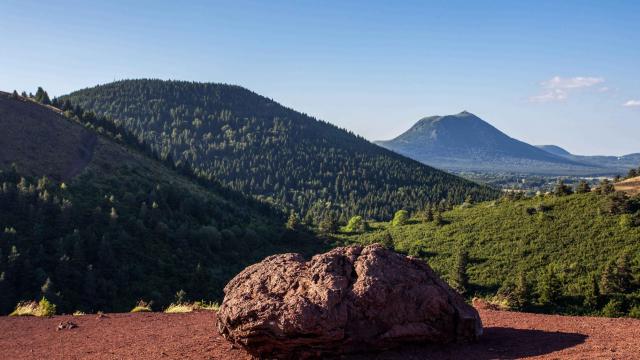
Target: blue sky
column 546, row 72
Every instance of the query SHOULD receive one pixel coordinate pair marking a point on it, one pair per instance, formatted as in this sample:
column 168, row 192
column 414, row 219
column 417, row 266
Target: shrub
column 614, row 308
column 635, row 312
column 356, row 224
column 212, row 305
column 142, row 306
column 400, row 218
column 31, row 308
column 78, row 313
column 25, row 308
column 179, row 308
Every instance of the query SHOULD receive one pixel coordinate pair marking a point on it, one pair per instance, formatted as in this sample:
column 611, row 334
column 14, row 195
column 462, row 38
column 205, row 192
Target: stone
column 350, row 299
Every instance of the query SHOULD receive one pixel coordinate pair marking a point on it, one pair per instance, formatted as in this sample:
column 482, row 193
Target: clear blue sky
column 552, row 72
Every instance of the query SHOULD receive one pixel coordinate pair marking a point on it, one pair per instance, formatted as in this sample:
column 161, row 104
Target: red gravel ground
column 145, row 336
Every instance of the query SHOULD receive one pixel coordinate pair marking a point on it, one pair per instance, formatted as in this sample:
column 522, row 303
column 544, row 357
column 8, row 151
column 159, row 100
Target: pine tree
column 387, row 241
column 605, row 187
column 293, row 223
column 328, row 225
column 461, row 282
column 429, row 214
column 624, row 277
column 550, row 288
column 592, row 296
column 583, row 187
column 562, row 189
column 522, row 292
column 608, row 282
column 439, row 220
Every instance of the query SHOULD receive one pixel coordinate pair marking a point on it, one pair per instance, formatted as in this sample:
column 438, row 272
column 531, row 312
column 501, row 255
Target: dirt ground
column 145, row 336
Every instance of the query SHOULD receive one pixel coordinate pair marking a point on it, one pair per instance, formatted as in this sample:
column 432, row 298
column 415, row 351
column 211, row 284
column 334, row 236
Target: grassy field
column 571, row 236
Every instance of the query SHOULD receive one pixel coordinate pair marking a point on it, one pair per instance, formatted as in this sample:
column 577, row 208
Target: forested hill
column 109, row 226
column 259, row 147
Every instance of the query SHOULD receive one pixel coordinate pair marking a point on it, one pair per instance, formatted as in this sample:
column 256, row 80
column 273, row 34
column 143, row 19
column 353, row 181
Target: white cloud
column 558, row 88
column 632, row 103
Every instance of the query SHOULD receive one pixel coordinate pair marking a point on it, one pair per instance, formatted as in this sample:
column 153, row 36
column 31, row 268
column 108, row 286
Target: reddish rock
column 347, row 300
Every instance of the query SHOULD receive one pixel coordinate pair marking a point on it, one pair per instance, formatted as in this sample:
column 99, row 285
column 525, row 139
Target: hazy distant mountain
column 554, row 149
column 613, row 164
column 464, row 142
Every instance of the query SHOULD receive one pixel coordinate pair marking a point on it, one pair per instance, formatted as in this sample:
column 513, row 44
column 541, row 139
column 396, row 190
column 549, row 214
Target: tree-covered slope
column 120, row 227
column 552, row 242
column 258, row 147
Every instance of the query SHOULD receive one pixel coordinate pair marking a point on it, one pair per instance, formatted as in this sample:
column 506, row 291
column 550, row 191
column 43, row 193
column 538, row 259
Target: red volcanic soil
column 141, row 336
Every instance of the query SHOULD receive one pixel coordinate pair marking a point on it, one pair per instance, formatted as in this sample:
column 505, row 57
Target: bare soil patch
column 630, row 186
column 142, row 336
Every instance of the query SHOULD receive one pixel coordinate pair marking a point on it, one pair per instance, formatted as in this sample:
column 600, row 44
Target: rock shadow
column 495, row 343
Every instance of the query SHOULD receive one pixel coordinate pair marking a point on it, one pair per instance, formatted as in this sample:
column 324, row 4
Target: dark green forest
column 127, row 228
column 104, row 242
column 256, row 146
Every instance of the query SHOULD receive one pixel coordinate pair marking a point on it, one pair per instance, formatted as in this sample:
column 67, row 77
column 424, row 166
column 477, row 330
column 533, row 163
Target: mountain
column 464, row 142
column 93, row 224
column 555, row 150
column 256, row 146
column 612, row 164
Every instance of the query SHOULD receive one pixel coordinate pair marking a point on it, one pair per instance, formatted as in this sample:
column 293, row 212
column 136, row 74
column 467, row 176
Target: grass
column 177, row 308
column 142, row 306
column 31, row 308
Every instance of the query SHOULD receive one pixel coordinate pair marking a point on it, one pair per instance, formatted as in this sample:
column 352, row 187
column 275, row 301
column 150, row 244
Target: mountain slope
column 121, row 227
column 612, row 164
column 575, row 237
column 554, row 149
column 258, row 147
column 464, row 142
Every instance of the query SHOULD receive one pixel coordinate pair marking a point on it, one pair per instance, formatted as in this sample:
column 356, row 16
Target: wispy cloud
column 632, row 103
column 558, row 88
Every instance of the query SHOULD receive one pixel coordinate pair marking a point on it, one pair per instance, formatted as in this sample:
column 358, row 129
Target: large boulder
column 346, row 300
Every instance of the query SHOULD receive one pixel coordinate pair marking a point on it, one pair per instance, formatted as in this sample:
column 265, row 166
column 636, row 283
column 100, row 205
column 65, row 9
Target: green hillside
column 121, row 226
column 571, row 239
column 256, row 146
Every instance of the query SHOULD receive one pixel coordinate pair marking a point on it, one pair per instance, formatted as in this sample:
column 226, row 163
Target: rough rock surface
column 347, row 300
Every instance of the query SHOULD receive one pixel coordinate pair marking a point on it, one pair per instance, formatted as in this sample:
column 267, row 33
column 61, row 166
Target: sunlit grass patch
column 142, row 306
column 31, row 308
column 177, row 308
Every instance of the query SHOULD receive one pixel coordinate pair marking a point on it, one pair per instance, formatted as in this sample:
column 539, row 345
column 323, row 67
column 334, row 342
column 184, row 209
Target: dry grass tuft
column 142, row 306
column 31, row 308
column 177, row 308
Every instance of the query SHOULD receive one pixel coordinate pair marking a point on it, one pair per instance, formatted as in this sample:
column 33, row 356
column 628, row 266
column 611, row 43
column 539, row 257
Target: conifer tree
column 429, row 214
column 550, row 288
column 387, row 241
column 592, row 296
column 583, row 187
column 522, row 292
column 293, row 223
column 462, row 278
column 608, row 282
